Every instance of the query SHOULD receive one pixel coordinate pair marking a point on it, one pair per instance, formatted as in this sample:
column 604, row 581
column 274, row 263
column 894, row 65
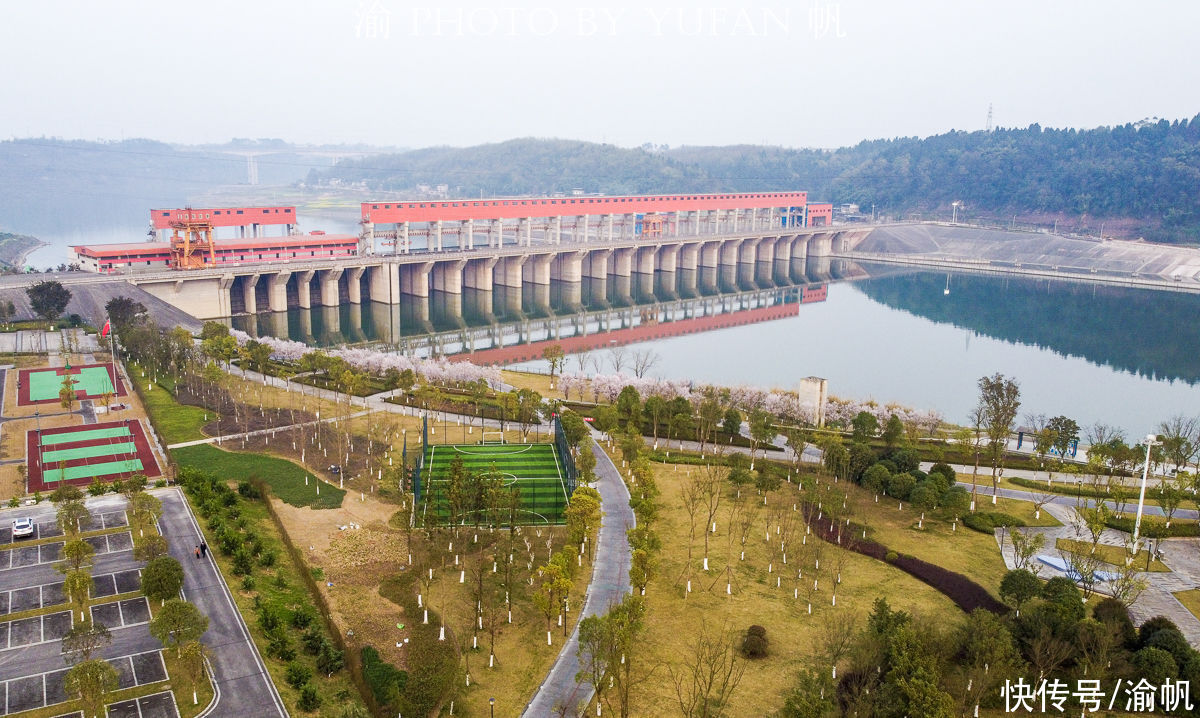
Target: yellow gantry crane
column 192, row 244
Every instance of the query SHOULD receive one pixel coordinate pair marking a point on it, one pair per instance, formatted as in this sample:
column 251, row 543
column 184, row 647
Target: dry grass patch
column 530, row 380
column 674, row 616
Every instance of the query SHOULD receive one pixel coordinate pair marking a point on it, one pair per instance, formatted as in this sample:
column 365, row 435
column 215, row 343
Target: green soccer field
column 534, row 470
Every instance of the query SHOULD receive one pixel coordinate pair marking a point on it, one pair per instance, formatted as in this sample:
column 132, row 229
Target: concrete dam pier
column 222, row 292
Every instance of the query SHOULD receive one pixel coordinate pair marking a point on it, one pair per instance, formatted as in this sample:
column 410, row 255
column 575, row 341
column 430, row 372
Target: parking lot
column 158, row 705
column 32, row 668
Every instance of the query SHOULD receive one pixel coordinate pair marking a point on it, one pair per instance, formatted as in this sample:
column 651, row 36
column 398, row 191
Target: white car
column 22, row 527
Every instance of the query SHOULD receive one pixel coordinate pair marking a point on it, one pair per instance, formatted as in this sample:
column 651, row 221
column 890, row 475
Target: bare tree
column 1041, row 497
column 707, row 676
column 1179, row 434
column 1125, row 582
column 1047, row 651
column 711, row 482
column 643, row 361
column 617, row 357
column 1083, row 568
column 838, row 634
column 693, row 496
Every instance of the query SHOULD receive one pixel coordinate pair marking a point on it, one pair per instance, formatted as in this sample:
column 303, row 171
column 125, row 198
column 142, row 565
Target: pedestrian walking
column 203, row 549
column 197, row 551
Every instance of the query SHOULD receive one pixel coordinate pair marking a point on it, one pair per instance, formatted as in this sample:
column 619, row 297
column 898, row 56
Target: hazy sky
column 392, row 72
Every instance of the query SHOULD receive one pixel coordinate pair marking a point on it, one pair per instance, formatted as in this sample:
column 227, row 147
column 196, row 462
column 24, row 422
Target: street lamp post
column 1151, row 440
column 492, row 707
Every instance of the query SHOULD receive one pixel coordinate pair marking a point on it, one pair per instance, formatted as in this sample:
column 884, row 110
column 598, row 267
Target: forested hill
column 1146, row 173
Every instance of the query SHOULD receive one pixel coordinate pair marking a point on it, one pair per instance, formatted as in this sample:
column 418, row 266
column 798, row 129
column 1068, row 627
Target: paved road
column 609, row 584
column 244, row 689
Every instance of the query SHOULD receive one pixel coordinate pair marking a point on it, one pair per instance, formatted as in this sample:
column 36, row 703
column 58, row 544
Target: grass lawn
column 674, row 616
column 286, row 479
column 1112, row 555
column 1190, row 600
column 175, row 422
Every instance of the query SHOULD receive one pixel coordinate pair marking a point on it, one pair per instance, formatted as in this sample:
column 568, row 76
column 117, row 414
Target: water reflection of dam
column 623, row 309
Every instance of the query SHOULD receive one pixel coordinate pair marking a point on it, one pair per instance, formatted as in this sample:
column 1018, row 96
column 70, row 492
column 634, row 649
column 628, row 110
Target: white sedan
column 22, row 528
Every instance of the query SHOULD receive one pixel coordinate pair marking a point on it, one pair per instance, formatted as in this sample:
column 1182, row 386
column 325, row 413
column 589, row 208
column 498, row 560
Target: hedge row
column 1154, row 529
column 965, row 593
column 988, row 521
column 1071, row 489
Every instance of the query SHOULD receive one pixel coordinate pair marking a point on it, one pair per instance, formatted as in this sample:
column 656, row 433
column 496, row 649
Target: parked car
column 22, row 528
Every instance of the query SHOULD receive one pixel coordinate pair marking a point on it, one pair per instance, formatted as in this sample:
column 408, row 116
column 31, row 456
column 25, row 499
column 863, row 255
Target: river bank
column 16, row 248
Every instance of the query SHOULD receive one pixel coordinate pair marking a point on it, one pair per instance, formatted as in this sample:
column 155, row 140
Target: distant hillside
column 1144, row 173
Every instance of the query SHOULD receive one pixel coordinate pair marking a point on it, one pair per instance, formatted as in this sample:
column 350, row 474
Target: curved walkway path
column 608, row 586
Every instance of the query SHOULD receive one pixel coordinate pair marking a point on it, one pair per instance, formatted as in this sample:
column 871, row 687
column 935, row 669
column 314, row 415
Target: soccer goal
column 493, row 437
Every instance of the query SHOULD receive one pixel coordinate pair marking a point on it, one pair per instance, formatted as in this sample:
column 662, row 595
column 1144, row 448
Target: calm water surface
column 1129, row 358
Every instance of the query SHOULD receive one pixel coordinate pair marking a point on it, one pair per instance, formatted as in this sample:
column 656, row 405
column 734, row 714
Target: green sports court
column 91, row 381
column 536, row 471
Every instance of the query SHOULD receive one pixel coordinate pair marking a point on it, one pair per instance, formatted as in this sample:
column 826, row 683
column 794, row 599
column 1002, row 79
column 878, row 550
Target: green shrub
column 312, row 641
column 901, row 485
column 249, row 490
column 266, row 559
column 891, row 556
column 280, row 645
column 242, row 563
column 945, row 470
column 248, row 583
column 755, row 643
column 230, row 542
column 309, row 699
column 297, row 674
column 96, row 488
column 268, row 617
column 302, row 617
column 329, row 659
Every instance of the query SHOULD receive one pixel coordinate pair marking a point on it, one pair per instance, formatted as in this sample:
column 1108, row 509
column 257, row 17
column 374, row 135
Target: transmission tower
column 989, row 120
